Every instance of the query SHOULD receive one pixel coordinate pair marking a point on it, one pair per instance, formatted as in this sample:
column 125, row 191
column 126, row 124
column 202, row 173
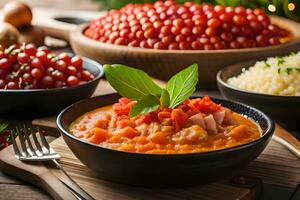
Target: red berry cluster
column 29, row 67
column 167, row 25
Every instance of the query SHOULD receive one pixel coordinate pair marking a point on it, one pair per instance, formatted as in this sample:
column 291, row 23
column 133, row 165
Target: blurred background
column 286, row 8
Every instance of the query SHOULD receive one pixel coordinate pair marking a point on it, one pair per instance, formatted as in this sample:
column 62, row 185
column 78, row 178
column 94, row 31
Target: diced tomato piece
column 159, row 138
column 148, row 118
column 123, row 107
column 125, row 122
column 240, row 132
column 98, row 135
column 206, row 105
column 140, row 140
column 147, row 147
column 101, row 123
column 127, row 132
column 115, row 139
column 127, row 147
column 179, row 118
column 124, row 100
column 185, row 105
column 163, row 115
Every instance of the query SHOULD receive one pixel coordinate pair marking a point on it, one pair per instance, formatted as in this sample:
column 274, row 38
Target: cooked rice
column 275, row 76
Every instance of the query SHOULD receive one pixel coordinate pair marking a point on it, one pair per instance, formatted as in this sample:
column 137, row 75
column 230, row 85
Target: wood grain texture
column 35, row 173
column 22, row 192
column 162, row 64
column 285, row 138
column 276, row 165
column 102, row 190
column 5, row 179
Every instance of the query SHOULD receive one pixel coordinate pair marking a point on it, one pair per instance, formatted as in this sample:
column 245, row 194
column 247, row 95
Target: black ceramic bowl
column 162, row 170
column 281, row 108
column 39, row 102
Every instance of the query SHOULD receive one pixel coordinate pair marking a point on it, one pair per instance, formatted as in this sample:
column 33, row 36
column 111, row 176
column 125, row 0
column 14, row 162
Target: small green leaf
column 267, row 65
column 280, row 60
column 182, row 85
column 129, row 82
column 288, row 70
column 147, row 104
column 165, row 98
column 3, row 127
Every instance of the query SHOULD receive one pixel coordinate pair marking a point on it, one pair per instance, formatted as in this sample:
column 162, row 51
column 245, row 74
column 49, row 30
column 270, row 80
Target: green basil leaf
column 129, row 82
column 182, row 85
column 165, row 98
column 147, row 104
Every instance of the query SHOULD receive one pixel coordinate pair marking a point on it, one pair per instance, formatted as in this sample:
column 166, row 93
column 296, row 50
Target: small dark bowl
column 41, row 102
column 152, row 170
column 281, row 108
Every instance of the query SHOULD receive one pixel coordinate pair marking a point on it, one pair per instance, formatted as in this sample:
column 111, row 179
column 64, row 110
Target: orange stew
column 197, row 125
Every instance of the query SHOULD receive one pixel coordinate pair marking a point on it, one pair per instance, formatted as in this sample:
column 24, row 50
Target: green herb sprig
column 136, row 85
column 288, row 70
column 267, row 65
column 280, row 60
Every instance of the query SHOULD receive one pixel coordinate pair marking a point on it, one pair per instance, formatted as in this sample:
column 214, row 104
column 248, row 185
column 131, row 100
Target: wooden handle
column 35, row 173
column 286, row 139
column 55, row 188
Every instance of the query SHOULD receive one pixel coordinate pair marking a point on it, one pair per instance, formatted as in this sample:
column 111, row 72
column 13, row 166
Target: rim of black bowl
column 269, row 131
column 225, row 84
column 50, row 90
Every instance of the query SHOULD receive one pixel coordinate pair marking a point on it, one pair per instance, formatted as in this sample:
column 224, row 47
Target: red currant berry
column 61, row 65
column 64, row 57
column 4, row 63
column 76, row 62
column 30, row 49
column 42, row 56
column 36, row 73
column 23, row 58
column 36, row 63
column 71, row 70
column 48, row 81
column 72, row 80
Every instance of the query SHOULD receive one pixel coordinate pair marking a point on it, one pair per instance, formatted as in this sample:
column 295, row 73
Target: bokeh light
column 291, row 6
column 272, row 8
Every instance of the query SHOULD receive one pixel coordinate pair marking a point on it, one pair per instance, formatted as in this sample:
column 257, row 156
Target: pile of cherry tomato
column 167, row 25
column 29, row 67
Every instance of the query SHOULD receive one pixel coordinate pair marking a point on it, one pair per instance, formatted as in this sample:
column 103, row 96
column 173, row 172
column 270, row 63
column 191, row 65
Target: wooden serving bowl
column 162, row 64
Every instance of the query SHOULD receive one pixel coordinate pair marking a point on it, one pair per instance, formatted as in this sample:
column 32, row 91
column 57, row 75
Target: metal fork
column 41, row 152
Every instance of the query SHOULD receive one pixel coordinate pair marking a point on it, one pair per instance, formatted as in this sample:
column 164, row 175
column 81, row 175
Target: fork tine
column 21, row 138
column 36, row 142
column 15, row 146
column 28, row 140
column 44, row 141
